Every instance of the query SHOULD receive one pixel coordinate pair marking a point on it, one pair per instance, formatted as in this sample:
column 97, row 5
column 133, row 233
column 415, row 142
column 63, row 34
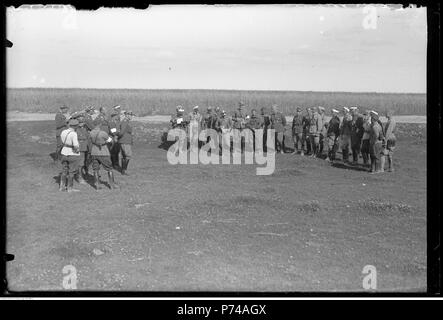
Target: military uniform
column 323, row 132
column 254, row 123
column 278, row 123
column 125, row 140
column 345, row 136
column 239, row 123
column 84, row 142
column 332, row 136
column 390, row 140
column 195, row 122
column 375, row 146
column 297, row 133
column 266, row 122
column 365, row 140
column 225, row 125
column 114, row 149
column 306, row 120
column 100, row 156
column 315, row 127
column 356, row 135
column 70, row 157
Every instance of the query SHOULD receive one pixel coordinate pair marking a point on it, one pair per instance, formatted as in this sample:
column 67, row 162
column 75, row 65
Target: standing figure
column 365, row 137
column 297, row 132
column 61, row 118
column 114, row 128
column 315, row 127
column 390, row 140
column 254, row 123
column 83, row 140
column 332, row 135
column 278, row 123
column 225, row 127
column 239, row 124
column 356, row 133
column 345, row 134
column 100, row 155
column 195, row 123
column 306, row 124
column 323, row 141
column 125, row 140
column 266, row 123
column 70, row 156
column 375, row 143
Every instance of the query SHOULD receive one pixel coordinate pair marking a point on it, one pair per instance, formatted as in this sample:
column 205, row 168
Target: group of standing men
column 354, row 133
column 92, row 137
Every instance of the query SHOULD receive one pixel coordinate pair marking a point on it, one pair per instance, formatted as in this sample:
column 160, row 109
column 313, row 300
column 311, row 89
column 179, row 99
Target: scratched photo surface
column 121, row 175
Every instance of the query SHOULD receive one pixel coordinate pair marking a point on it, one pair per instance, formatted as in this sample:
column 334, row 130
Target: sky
column 263, row 47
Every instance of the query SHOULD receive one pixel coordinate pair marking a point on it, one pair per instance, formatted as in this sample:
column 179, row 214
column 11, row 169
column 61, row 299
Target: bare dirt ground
column 308, row 227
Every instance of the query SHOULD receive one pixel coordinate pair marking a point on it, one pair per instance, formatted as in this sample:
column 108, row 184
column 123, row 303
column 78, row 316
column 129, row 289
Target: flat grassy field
column 310, row 226
column 152, row 102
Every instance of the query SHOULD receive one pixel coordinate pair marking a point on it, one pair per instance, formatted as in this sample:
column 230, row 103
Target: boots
column 81, row 180
column 372, row 170
column 111, row 180
column 390, row 164
column 125, row 166
column 97, row 181
column 382, row 164
column 71, row 184
column 62, row 183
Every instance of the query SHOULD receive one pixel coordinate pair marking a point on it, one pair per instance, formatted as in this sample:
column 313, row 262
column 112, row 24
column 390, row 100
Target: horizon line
column 202, row 89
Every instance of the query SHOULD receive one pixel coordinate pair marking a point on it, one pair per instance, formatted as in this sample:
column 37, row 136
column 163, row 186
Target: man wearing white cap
column 332, row 135
column 375, row 143
column 70, row 156
column 345, row 134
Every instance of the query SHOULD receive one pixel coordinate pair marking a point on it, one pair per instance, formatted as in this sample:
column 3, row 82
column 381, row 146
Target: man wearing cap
column 100, row 155
column 114, row 128
column 345, row 134
column 332, row 135
column 195, row 121
column 83, row 140
column 375, row 143
column 365, row 137
column 266, row 123
column 208, row 119
column 356, row 133
column 61, row 118
column 389, row 141
column 89, row 122
column 278, row 123
column 323, row 143
column 253, row 123
column 315, row 126
column 225, row 125
column 125, row 140
column 70, row 156
column 239, row 122
column 306, row 124
column 103, row 118
column 297, row 132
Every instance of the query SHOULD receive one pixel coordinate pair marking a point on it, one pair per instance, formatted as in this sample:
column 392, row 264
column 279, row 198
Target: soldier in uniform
column 195, row 121
column 266, row 122
column 254, row 122
column 103, row 118
column 83, row 140
column 225, row 126
column 332, row 135
column 61, row 118
column 345, row 134
column 390, row 140
column 114, row 128
column 375, row 143
column 356, row 133
column 125, row 140
column 306, row 124
column 278, row 123
column 297, row 132
column 70, row 156
column 315, row 126
column 365, row 137
column 100, row 155
column 89, row 122
column 179, row 121
column 323, row 141
column 239, row 124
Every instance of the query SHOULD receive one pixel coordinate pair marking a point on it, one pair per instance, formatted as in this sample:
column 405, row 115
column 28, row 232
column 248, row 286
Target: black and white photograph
column 217, row 148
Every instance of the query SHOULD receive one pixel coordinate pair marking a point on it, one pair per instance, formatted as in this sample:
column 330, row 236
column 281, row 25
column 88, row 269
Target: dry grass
column 151, row 102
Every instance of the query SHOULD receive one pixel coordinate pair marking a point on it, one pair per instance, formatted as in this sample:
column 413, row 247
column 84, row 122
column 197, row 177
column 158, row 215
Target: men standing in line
column 390, row 140
column 323, row 143
column 356, row 133
column 100, row 155
column 69, row 156
column 266, row 122
column 125, row 140
column 345, row 134
column 278, row 123
column 254, row 123
column 306, row 124
column 332, row 135
column 297, row 132
column 61, row 118
column 375, row 143
column 114, row 128
column 365, row 137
